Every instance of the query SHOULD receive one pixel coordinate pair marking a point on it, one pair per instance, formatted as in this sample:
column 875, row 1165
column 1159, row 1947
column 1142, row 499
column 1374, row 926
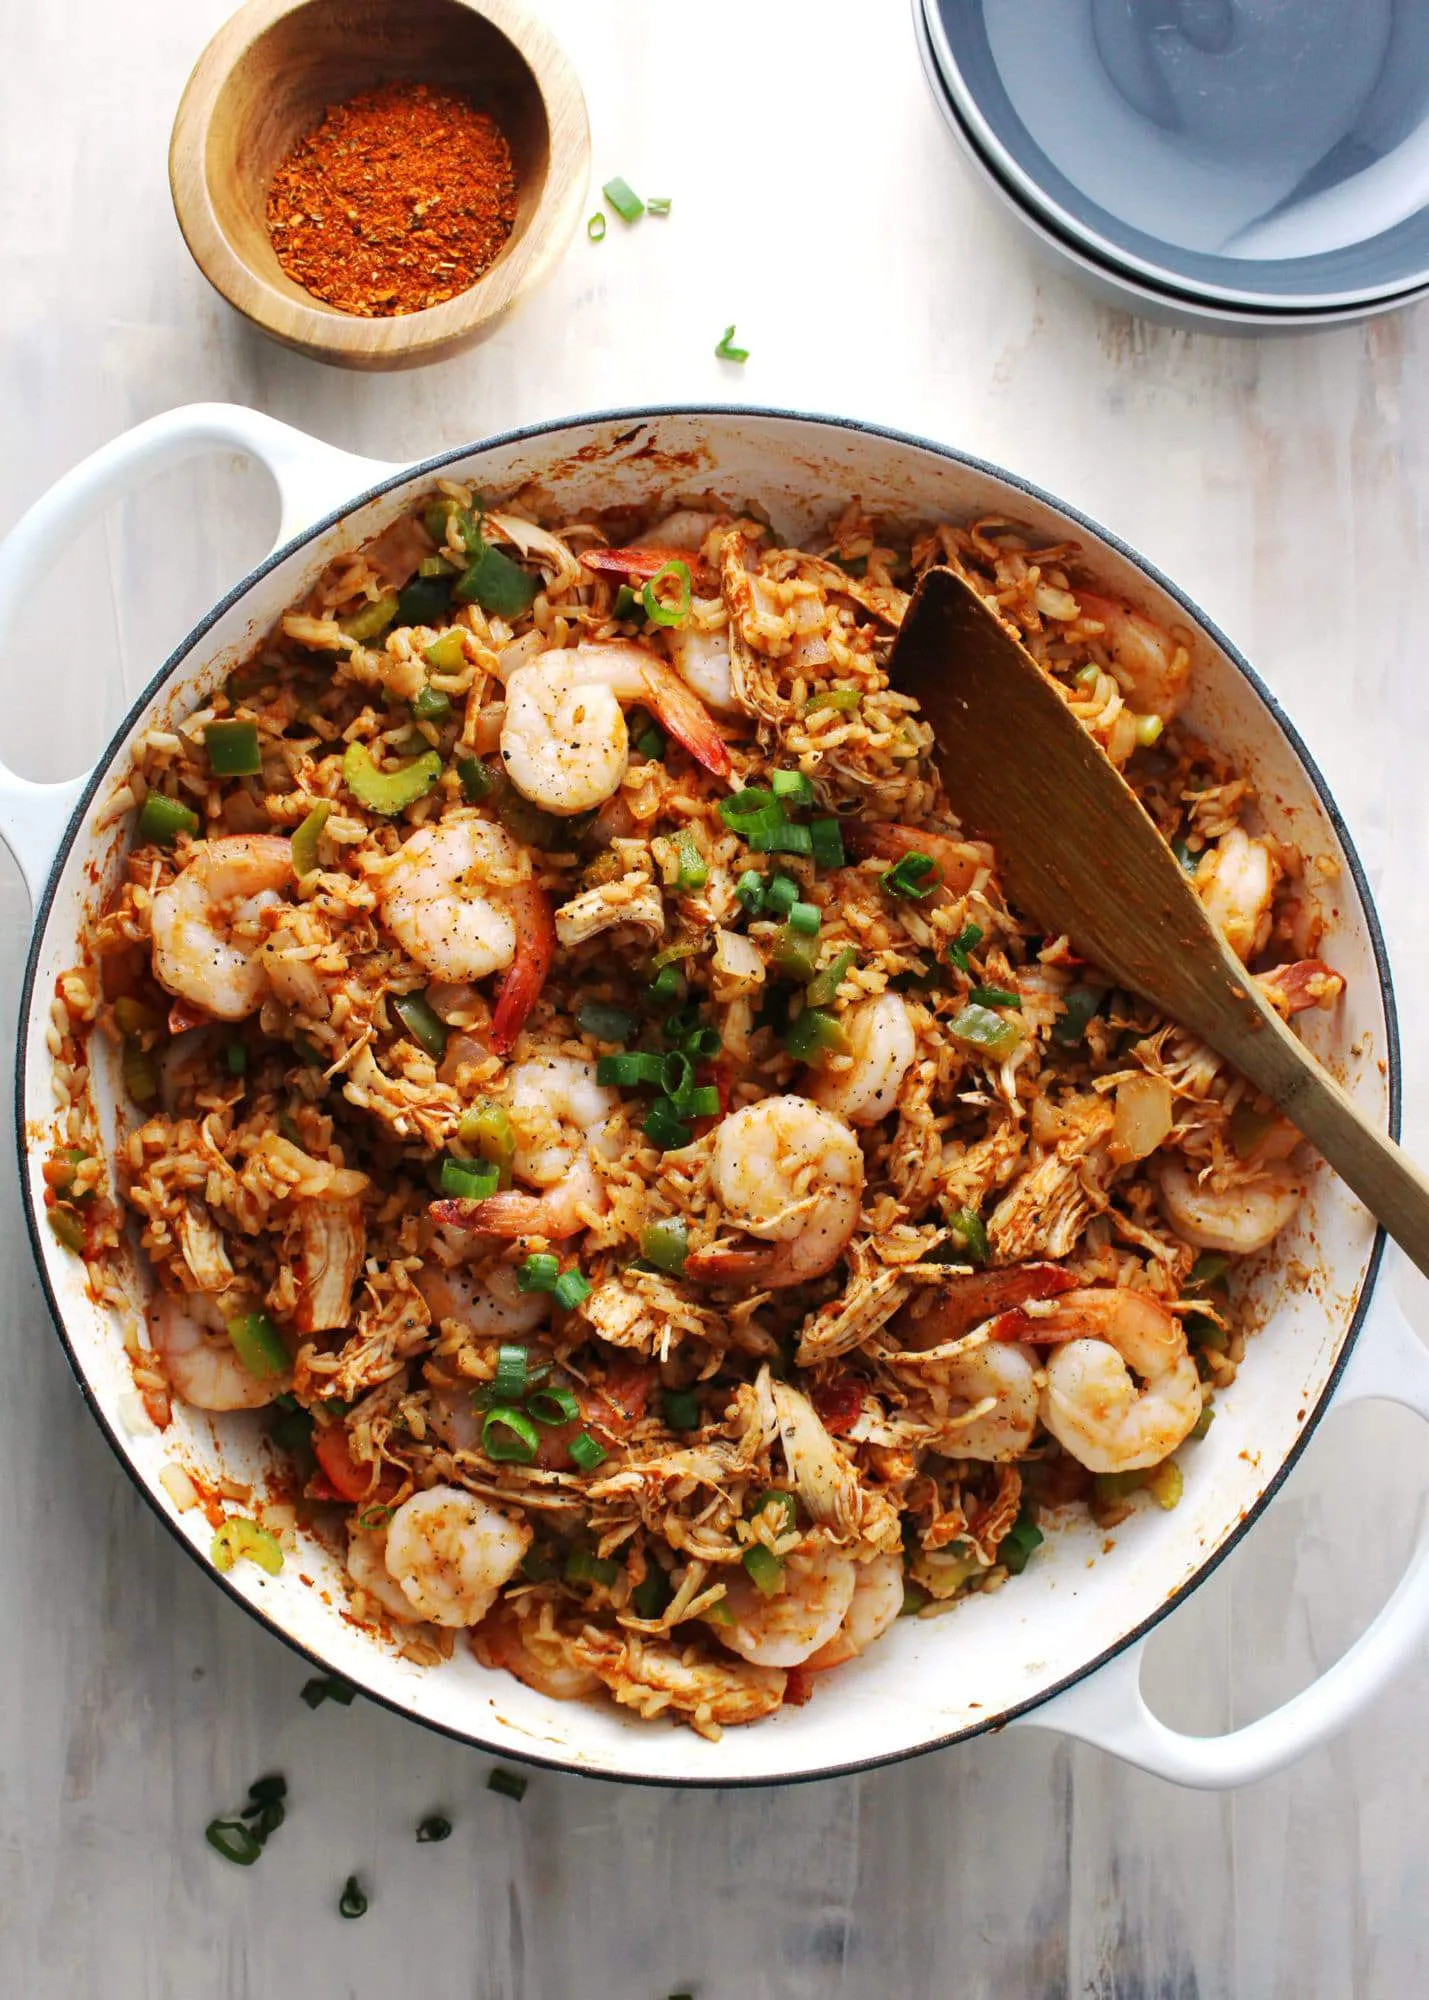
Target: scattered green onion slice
column 630, row 1069
column 627, row 603
column 668, row 984
column 388, row 791
column 805, row 918
column 650, row 745
column 508, row 1437
column 701, row 1044
column 740, row 808
column 780, row 895
column 623, row 199
column 509, row 1385
column 666, row 1244
column 371, row 620
column 595, row 228
column 664, row 1128
column 978, row 1028
column 234, row 1841
column 995, row 996
column 352, row 1902
column 749, row 891
column 431, row 705
column 604, row 1023
column 827, row 841
column 585, row 1453
column 680, row 1409
column 677, row 1075
column 658, row 204
column 692, row 870
column 1079, row 1005
column 582, row 1566
column 509, row 1783
column 726, row 351
column 815, row 1034
column 436, row 1826
column 163, row 820
column 657, row 609
column 305, row 839
column 553, row 1406
column 794, row 786
column 539, row 1272
column 845, row 700
column 966, row 1231
column 326, row 1687
column 240, row 1537
column 232, row 748
column 498, row 585
column 257, row 1345
column 764, row 1569
column 782, row 837
column 414, row 1011
column 914, row 875
column 967, row 940
column 571, row 1289
column 823, row 987
column 1016, row 1546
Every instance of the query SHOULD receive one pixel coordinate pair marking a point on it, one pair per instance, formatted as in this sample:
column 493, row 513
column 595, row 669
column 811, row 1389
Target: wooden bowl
column 265, row 80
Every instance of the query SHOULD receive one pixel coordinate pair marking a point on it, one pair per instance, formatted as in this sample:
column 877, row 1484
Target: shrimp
column 784, row 1630
column 1153, row 668
column 367, row 1566
column 1240, row 1217
column 792, row 1174
column 190, row 1335
column 486, row 1300
column 207, row 926
column 701, row 658
column 1123, row 1392
column 965, row 1302
column 564, row 740
column 561, row 1117
column 878, row 1590
column 535, row 1650
column 450, row 1552
column 961, row 861
column 459, row 900
column 652, row 1678
column 1236, row 881
column 995, row 1387
column 882, row 1046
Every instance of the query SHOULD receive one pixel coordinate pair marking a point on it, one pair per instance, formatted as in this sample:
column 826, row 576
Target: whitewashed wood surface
column 819, row 205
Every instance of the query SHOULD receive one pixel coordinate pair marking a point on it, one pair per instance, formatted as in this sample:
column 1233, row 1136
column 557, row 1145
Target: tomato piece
column 350, row 1481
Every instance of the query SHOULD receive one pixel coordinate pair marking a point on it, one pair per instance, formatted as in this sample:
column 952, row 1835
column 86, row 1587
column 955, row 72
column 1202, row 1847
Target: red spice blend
column 401, row 198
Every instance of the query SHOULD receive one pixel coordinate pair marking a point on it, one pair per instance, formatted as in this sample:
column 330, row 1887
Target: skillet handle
column 1391, row 1364
column 312, row 479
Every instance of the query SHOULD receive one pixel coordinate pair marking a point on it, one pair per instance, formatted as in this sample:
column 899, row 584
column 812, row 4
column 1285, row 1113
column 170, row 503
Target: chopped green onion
column 373, row 1518
column 741, row 808
column 677, row 1075
column 680, row 1409
column 657, row 609
column 305, row 839
column 700, row 1103
column 827, row 841
column 431, row 705
column 163, row 819
column 692, row 870
column 764, row 1569
column 585, row 1453
column 967, row 940
column 371, row 620
column 658, row 204
column 1209, row 1265
column 604, row 1023
column 824, row 986
column 780, row 895
column 813, row 1035
column 498, row 585
column 508, row 1437
column 749, row 890
column 666, row 1244
column 595, row 228
column 915, row 876
column 978, row 1028
column 1016, row 1546
column 539, row 1272
column 584, row 1567
column 388, row 791
column 425, row 599
column 664, row 1129
column 623, row 199
column 1079, row 1005
column 630, row 1069
column 67, row 1229
column 234, row 1841
column 781, row 837
column 326, row 1687
column 352, row 1902
column 650, row 745
column 794, row 955
column 475, row 779
column 995, row 996
column 627, row 603
column 509, row 1383
column 233, row 749
column 845, row 700
column 726, row 351
column 571, row 1289
column 508, row 1783
column 701, row 1044
column 784, row 1504
column 257, row 1345
column 795, row 786
column 487, row 1127
column 668, row 984
column 805, row 918
column 651, row 1594
column 965, row 1228
column 239, row 1536
column 414, row 1011
column 436, row 1826
column 553, row 1406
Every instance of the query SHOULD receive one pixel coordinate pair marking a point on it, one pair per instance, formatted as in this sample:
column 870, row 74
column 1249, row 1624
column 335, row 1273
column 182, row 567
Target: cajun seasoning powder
column 401, row 198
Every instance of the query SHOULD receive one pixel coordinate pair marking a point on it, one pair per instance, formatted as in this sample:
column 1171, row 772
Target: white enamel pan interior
column 1060, row 1648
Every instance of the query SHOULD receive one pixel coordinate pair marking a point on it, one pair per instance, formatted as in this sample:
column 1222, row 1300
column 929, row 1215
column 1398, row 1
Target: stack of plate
column 1252, row 164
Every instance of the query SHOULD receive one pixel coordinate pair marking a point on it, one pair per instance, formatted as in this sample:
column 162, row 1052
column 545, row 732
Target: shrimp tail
column 679, row 709
column 959, row 860
column 507, row 1215
column 535, row 922
column 966, row 1302
column 731, row 1266
column 643, row 562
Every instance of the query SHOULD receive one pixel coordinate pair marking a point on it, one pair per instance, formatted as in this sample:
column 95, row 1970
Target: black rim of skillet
column 639, row 419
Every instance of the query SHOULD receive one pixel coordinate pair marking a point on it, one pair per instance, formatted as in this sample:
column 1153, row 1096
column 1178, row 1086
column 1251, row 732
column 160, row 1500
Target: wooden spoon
column 1081, row 855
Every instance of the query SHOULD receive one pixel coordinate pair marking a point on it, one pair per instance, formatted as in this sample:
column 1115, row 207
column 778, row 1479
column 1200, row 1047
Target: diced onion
column 179, row 1487
column 1143, row 1117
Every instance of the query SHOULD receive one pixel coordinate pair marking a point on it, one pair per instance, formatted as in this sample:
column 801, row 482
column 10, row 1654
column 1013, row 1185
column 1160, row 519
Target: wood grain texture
column 264, row 82
column 818, row 203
